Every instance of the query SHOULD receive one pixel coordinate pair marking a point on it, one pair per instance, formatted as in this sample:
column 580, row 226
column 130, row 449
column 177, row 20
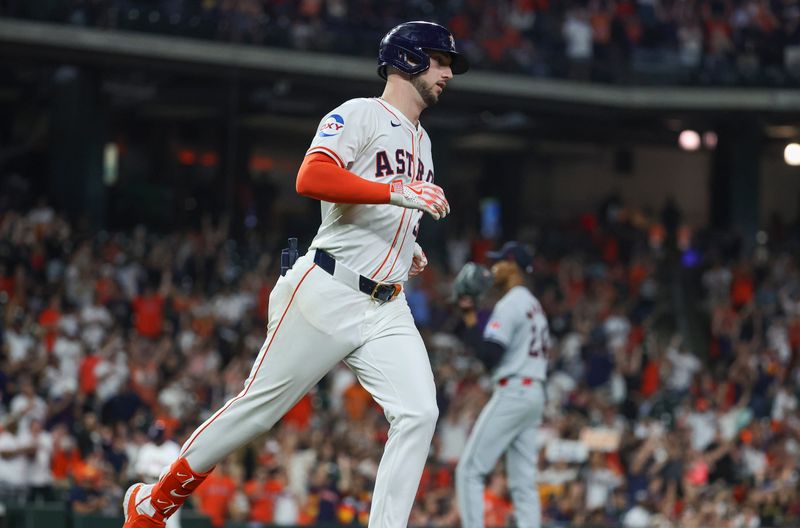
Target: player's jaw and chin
column 501, row 273
column 430, row 90
column 427, row 91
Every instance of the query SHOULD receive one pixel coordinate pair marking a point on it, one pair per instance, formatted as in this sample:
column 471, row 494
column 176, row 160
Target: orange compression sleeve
column 320, row 177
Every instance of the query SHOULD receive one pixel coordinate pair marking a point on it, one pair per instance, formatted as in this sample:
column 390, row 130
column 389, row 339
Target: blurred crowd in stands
column 720, row 42
column 115, row 342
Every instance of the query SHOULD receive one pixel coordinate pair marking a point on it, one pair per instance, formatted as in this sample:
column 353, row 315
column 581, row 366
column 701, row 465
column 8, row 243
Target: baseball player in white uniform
column 370, row 164
column 153, row 457
column 514, row 347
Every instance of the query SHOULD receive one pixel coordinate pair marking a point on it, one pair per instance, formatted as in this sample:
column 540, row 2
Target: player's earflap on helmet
column 404, row 48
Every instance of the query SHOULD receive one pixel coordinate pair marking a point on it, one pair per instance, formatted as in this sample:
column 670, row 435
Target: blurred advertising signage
column 491, row 215
column 600, row 439
column 571, row 451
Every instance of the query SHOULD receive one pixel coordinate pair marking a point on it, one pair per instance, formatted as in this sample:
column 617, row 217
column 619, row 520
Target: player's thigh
column 313, row 324
column 396, row 371
column 523, row 452
column 330, row 306
column 311, row 297
column 495, row 429
column 296, row 355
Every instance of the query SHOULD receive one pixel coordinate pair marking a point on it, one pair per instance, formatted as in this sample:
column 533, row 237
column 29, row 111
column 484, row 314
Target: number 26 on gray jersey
column 540, row 335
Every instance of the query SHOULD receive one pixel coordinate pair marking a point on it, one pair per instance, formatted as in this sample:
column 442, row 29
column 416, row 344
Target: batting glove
column 419, row 195
column 419, row 261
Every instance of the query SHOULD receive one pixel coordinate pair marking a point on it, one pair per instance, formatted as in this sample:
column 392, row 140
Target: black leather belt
column 377, row 290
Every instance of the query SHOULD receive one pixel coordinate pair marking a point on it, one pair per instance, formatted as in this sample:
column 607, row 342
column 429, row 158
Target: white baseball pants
column 315, row 321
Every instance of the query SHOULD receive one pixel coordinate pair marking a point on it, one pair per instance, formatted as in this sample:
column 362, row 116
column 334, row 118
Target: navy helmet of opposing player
column 405, row 48
column 515, row 252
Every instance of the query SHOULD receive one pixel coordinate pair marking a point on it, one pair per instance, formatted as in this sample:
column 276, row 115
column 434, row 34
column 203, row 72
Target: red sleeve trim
column 321, row 177
column 329, row 152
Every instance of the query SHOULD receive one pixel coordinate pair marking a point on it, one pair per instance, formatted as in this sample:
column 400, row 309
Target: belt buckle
column 395, row 292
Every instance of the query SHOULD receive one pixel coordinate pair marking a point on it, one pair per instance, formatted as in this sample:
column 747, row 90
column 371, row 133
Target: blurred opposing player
column 370, row 164
column 154, row 456
column 514, row 348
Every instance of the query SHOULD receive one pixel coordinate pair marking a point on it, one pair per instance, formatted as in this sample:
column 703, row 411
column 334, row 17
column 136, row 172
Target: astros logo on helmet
column 405, row 46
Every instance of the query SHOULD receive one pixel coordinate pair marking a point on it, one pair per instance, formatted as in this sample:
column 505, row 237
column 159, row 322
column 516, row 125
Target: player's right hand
column 419, row 195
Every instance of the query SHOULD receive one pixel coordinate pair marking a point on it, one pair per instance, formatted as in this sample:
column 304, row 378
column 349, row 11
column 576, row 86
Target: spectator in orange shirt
column 48, row 320
column 300, row 415
column 214, row 495
column 742, row 288
column 356, row 401
column 261, row 491
column 87, row 380
column 66, row 458
column 651, row 376
column 496, row 505
column 148, row 313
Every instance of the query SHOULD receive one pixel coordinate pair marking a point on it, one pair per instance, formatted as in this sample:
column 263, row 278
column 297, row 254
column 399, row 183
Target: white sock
column 145, row 506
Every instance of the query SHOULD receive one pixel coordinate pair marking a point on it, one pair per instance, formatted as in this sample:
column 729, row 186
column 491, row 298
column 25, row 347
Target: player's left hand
column 419, row 261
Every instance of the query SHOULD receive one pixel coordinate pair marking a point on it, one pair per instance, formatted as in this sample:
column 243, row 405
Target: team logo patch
column 332, row 126
column 494, row 325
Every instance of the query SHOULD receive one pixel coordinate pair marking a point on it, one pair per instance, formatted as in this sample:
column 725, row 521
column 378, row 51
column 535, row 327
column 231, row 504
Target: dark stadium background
column 147, row 158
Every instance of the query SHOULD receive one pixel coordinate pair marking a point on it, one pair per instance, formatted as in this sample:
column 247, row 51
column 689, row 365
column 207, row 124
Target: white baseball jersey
column 519, row 324
column 374, row 140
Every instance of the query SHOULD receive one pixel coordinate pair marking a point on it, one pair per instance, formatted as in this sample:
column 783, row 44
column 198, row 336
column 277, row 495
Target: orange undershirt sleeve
column 321, row 177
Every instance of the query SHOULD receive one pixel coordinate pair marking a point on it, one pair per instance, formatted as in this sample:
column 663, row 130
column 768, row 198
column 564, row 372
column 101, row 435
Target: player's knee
column 461, row 467
column 521, row 478
column 423, row 416
column 430, row 414
column 465, row 469
column 254, row 426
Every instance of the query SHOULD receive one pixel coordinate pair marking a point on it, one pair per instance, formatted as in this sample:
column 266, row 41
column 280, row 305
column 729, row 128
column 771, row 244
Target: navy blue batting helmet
column 516, row 252
column 404, row 48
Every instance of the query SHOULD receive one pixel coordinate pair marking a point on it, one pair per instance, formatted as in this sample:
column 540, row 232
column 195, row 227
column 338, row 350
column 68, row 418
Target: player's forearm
column 321, row 178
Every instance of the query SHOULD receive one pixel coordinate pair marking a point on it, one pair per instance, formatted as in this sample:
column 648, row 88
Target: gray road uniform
column 508, row 424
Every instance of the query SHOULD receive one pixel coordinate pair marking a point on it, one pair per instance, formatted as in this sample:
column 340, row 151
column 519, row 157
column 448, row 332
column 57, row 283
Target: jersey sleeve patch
column 497, row 331
column 331, row 126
